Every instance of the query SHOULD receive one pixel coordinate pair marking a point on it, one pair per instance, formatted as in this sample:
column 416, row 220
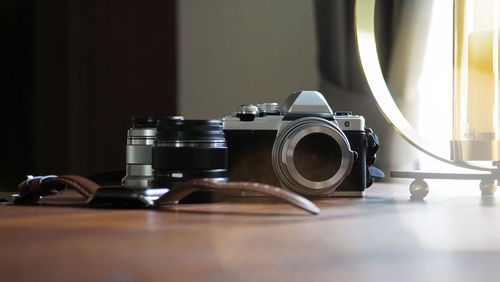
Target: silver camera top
column 306, row 103
column 347, row 121
column 297, row 105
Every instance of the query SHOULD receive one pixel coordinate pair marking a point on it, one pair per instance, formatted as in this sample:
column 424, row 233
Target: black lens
column 174, row 130
column 188, row 149
column 149, row 122
column 317, row 157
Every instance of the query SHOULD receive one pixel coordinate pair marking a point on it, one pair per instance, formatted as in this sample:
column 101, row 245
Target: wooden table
column 454, row 235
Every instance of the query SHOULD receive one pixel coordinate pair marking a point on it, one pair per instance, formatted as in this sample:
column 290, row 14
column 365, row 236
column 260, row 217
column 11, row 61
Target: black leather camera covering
column 250, row 152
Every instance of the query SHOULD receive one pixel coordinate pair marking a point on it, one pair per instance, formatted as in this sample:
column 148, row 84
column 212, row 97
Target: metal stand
column 419, row 188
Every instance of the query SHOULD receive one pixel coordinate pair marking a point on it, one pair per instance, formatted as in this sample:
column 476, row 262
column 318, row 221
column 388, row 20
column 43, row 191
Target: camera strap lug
column 373, row 145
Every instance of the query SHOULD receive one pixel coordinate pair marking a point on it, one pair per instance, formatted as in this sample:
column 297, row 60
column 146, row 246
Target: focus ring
column 165, row 158
column 282, row 167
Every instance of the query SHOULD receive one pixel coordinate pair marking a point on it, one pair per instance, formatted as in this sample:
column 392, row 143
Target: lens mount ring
column 284, row 148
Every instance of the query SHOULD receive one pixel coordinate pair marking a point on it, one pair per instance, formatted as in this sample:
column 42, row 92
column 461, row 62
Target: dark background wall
column 76, row 73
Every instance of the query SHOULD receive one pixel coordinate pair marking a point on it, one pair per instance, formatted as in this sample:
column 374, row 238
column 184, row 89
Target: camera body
column 305, row 147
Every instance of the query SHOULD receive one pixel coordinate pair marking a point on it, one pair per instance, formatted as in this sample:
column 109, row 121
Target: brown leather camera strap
column 33, row 188
column 188, row 187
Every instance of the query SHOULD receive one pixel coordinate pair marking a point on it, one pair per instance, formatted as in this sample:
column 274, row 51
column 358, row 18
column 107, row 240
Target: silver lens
column 139, row 173
column 312, row 156
column 140, row 141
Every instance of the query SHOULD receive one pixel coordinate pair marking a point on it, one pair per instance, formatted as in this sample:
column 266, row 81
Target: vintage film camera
column 305, row 147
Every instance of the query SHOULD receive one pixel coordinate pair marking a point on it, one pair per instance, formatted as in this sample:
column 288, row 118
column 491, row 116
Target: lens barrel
column 140, row 140
column 187, row 149
column 312, row 156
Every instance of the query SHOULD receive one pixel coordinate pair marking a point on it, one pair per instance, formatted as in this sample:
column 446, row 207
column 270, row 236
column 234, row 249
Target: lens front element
column 317, row 157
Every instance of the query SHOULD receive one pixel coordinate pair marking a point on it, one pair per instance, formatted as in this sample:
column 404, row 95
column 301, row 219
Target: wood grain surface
column 451, row 236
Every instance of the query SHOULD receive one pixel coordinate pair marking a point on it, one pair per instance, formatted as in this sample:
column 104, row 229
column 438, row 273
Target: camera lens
column 140, row 140
column 187, row 149
column 317, row 157
column 312, row 156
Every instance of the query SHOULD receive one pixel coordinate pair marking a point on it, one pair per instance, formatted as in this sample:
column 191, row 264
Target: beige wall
column 233, row 52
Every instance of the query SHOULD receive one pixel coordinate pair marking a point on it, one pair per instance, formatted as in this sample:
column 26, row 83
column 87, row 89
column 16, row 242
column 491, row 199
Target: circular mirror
column 421, row 74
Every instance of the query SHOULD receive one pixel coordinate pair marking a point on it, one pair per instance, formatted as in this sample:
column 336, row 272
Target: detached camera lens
column 140, row 140
column 188, row 149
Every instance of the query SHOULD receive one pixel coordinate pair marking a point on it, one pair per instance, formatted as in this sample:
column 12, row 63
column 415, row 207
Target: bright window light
column 435, row 86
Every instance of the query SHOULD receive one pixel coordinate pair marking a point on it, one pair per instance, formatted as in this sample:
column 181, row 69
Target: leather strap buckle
column 30, row 178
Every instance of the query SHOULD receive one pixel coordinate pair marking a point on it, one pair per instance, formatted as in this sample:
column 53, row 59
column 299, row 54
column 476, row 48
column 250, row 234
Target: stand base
column 419, row 188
